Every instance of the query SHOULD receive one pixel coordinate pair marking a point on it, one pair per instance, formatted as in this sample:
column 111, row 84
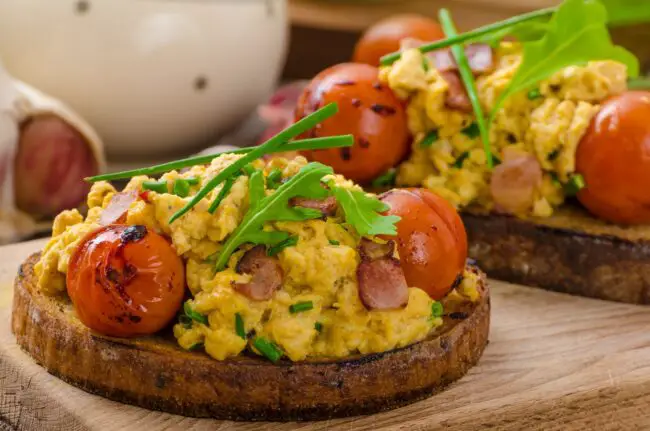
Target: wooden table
column 554, row 362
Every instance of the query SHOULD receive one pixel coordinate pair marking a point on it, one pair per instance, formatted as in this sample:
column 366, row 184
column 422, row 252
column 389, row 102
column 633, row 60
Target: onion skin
column 52, row 161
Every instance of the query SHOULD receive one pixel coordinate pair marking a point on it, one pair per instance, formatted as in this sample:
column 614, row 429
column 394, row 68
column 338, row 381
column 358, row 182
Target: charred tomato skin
column 368, row 110
column 384, row 36
column 614, row 159
column 125, row 281
column 431, row 239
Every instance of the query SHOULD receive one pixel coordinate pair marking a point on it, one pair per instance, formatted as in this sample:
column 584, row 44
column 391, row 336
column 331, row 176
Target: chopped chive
column 267, row 348
column 193, row 181
column 239, row 326
column 389, row 59
column 248, row 169
column 227, row 185
column 575, row 184
column 301, row 306
column 553, row 155
column 196, row 346
column 318, row 326
column 459, row 161
column 429, row 139
column 275, row 142
column 297, row 145
column 185, row 320
column 387, row 179
column 277, row 248
column 425, row 64
column 534, row 94
column 496, row 160
column 198, row 317
column 436, row 309
column 155, row 186
column 334, row 242
column 554, row 179
column 273, row 179
column 472, row 131
column 181, row 188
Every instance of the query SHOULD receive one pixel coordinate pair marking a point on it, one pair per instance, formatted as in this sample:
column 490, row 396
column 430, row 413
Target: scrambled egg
column 320, row 267
column 548, row 123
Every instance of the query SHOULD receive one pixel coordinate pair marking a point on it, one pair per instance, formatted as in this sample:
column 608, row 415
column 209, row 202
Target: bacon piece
column 515, row 181
column 457, row 97
column 266, row 274
column 382, row 285
column 326, row 206
column 115, row 211
column 374, row 250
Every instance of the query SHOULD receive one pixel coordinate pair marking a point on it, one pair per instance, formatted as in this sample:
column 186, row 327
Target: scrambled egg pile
column 548, row 123
column 320, row 268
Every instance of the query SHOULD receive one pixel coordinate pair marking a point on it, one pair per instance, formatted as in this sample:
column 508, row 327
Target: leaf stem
column 298, row 145
column 468, row 79
column 275, row 142
column 389, row 59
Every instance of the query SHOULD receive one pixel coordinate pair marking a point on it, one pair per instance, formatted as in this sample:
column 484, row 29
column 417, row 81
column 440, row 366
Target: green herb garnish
column 155, row 186
column 363, row 212
column 574, row 185
column 534, row 94
column 553, row 155
column 275, row 142
column 181, row 188
column 468, row 79
column 256, row 189
column 459, row 161
column 239, row 326
column 248, row 169
column 472, row 131
column 196, row 346
column 267, row 348
column 277, row 248
column 185, row 320
column 197, row 317
column 299, row 307
column 275, row 207
column 318, row 327
column 436, row 309
column 387, row 179
column 334, row 242
column 298, row 145
column 274, row 179
column 577, row 33
column 429, row 139
column 225, row 189
column 193, row 181
column 425, row 64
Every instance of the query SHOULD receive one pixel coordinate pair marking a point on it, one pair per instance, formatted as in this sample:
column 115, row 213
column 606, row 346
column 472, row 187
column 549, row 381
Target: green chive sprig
column 272, row 144
column 436, row 309
column 267, row 348
column 277, row 248
column 239, row 326
column 468, row 79
column 181, row 187
column 197, row 317
column 155, row 186
column 225, row 189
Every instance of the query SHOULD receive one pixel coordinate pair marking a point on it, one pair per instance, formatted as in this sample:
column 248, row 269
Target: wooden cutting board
column 554, row 362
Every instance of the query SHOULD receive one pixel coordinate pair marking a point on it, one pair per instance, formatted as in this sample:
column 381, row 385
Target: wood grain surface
column 554, row 362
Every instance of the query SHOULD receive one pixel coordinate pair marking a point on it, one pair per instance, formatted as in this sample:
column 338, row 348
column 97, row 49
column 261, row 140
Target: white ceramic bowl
column 154, row 77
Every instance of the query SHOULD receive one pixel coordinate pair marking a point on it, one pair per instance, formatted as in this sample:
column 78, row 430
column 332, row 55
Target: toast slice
column 571, row 252
column 155, row 373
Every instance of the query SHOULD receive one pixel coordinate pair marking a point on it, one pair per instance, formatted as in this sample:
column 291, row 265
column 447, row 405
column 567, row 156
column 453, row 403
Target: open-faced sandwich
column 243, row 287
column 536, row 139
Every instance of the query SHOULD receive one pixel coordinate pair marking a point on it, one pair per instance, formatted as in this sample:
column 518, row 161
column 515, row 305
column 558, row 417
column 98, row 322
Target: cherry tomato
column 368, row 110
column 614, row 159
column 384, row 37
column 431, row 239
column 125, row 281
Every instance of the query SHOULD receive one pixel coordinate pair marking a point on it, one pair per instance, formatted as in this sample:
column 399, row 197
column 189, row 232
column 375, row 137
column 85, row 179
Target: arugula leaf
column 362, row 211
column 623, row 12
column 577, row 33
column 275, row 207
column 255, row 188
column 523, row 32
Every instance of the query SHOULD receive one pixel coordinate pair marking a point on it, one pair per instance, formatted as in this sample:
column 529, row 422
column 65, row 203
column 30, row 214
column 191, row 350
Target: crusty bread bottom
column 155, row 373
column 570, row 252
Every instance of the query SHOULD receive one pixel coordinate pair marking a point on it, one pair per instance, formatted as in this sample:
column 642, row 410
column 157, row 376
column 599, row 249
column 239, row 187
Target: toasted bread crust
column 570, row 252
column 155, row 373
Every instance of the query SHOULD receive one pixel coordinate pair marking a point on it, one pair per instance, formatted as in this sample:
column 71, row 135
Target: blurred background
column 104, row 85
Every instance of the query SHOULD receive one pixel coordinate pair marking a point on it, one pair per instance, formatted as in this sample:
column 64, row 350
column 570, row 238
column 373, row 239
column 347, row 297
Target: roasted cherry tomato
column 384, row 37
column 431, row 239
column 367, row 109
column 125, row 281
column 614, row 159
